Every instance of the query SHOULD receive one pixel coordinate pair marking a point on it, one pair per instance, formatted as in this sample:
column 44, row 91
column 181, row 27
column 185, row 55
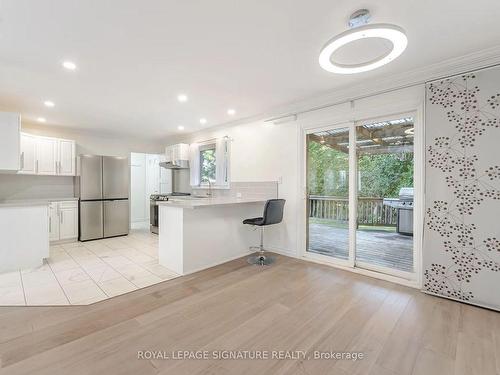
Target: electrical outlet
column 280, row 179
column 238, row 195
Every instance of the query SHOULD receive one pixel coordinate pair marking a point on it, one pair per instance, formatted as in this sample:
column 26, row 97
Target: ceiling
column 134, row 57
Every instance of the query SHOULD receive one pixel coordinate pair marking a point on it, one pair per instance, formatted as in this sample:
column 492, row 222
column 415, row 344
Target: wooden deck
column 380, row 248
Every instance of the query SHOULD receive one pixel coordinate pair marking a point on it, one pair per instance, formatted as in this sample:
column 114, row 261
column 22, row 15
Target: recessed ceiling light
column 392, row 33
column 48, row 103
column 41, row 119
column 70, row 65
column 180, row 127
column 231, row 112
column 203, row 121
column 182, row 98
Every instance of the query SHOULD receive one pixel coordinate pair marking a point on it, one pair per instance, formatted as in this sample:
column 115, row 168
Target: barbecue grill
column 404, row 205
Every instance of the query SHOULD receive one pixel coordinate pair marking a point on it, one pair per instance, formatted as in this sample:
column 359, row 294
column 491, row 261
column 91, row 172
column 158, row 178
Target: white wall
column 264, row 152
column 95, row 143
column 14, row 186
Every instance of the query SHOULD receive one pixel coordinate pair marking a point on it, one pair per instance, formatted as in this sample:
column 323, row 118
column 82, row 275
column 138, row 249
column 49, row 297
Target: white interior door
column 138, row 207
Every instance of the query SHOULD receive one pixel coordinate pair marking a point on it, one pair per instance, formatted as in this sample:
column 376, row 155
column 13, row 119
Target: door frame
column 409, row 279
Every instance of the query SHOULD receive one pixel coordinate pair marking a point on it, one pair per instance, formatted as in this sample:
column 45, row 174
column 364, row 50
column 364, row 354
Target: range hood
column 176, row 157
column 175, row 164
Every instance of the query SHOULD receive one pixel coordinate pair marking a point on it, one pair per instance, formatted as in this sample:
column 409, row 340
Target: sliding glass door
column 360, row 180
column 328, row 192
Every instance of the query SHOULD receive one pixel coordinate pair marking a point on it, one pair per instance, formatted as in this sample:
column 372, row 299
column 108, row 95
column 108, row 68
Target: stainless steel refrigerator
column 103, row 188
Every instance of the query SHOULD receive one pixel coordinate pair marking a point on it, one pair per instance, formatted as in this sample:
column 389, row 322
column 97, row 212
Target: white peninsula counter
column 24, row 234
column 196, row 234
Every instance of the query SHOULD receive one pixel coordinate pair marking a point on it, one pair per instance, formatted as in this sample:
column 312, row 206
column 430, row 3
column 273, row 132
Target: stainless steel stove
column 404, row 205
column 153, row 208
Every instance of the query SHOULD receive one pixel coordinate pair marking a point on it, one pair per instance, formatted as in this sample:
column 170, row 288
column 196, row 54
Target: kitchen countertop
column 207, row 202
column 32, row 202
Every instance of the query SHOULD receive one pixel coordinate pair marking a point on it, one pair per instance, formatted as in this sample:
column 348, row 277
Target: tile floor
column 81, row 273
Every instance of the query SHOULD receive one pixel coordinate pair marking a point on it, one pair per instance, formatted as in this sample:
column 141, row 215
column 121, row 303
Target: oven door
column 153, row 215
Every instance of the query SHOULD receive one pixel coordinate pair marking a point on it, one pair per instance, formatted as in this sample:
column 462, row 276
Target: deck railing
column 371, row 211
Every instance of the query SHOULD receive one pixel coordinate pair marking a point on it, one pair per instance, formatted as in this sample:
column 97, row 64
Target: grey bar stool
column 273, row 214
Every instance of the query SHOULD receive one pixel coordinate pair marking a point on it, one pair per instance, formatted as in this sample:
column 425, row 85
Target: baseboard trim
column 218, row 263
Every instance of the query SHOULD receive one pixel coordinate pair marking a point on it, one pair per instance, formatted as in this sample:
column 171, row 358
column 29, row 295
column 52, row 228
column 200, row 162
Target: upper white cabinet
column 176, row 152
column 66, row 158
column 10, row 126
column 28, row 154
column 47, row 156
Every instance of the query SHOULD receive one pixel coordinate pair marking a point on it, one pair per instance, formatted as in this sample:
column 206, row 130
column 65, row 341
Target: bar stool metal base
column 261, row 259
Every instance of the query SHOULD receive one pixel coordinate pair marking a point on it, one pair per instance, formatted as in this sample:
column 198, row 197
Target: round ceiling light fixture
column 360, row 30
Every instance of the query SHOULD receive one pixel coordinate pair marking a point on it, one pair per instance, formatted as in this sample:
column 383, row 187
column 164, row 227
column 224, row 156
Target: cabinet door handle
column 36, row 165
column 61, row 216
column 22, row 160
column 50, row 224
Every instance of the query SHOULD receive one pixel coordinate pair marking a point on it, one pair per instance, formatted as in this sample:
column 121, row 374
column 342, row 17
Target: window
column 207, row 164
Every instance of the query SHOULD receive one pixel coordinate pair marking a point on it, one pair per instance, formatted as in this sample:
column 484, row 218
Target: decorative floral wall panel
column 461, row 252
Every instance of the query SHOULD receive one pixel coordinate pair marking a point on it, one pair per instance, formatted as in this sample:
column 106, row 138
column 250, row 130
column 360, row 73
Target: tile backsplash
column 261, row 189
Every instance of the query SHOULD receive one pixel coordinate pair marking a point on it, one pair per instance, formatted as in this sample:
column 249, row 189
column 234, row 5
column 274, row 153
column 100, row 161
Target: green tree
column 207, row 165
column 380, row 175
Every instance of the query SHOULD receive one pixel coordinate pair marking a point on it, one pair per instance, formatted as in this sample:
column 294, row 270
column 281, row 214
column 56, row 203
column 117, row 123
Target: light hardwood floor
column 293, row 305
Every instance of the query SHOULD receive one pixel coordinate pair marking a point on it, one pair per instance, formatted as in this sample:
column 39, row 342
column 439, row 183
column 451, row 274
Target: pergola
column 394, row 136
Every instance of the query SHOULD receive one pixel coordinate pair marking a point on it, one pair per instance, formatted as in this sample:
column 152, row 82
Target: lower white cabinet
column 53, row 222
column 63, row 220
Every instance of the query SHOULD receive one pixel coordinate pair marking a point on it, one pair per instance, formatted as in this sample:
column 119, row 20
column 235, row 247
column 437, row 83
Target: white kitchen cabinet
column 63, row 220
column 28, row 154
column 176, row 152
column 66, row 162
column 68, row 220
column 53, row 222
column 46, row 156
column 10, row 126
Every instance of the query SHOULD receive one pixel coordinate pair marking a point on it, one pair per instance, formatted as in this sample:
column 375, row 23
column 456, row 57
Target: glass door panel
column 384, row 227
column 328, row 193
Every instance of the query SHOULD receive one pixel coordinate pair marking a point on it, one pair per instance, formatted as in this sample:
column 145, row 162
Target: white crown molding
column 472, row 61
column 27, row 125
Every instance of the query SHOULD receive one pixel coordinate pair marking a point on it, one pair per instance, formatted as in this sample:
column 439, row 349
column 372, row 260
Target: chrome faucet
column 209, row 188
column 207, row 179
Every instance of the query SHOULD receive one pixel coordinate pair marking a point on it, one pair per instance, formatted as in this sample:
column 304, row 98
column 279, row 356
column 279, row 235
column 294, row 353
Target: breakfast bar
column 24, row 232
column 196, row 234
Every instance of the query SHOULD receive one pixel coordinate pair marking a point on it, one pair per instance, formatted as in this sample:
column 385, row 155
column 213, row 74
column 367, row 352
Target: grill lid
column 406, row 194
